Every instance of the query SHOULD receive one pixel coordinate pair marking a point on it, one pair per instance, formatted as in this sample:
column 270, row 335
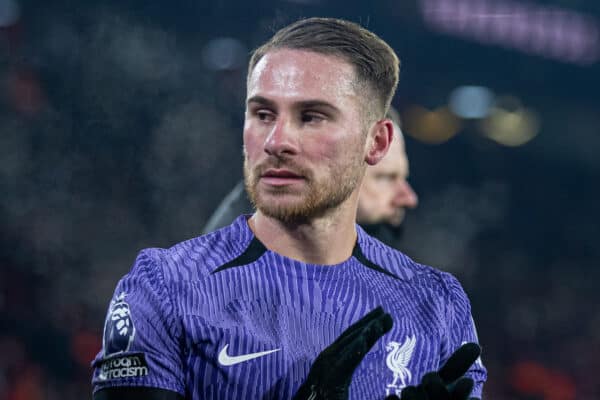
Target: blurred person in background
column 385, row 194
column 287, row 302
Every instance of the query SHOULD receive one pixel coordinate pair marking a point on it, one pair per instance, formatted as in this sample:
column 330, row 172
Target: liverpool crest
column 397, row 361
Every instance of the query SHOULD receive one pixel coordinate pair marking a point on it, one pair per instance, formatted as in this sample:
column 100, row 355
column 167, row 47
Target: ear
column 379, row 139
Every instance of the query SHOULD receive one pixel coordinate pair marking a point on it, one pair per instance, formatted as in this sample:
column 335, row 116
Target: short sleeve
column 141, row 343
column 461, row 330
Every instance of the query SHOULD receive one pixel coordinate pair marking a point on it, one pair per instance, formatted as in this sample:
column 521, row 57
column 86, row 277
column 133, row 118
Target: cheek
column 380, row 194
column 322, row 145
column 252, row 142
column 331, row 149
column 387, row 196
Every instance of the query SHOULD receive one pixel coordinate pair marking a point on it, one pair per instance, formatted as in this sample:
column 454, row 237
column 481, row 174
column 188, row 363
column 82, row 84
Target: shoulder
column 195, row 258
column 416, row 274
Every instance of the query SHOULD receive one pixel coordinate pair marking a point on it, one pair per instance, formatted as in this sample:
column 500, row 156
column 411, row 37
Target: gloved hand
column 331, row 374
column 448, row 383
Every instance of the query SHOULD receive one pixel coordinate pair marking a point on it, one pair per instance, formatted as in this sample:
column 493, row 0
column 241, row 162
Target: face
column 385, row 193
column 304, row 139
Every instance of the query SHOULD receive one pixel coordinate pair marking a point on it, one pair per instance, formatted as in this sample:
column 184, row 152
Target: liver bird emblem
column 397, row 360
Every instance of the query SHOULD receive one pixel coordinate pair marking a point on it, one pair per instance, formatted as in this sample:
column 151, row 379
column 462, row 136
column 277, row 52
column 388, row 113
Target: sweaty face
column 304, row 141
column 385, row 193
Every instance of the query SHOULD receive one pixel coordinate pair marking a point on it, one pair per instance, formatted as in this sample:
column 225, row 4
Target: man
column 295, row 301
column 385, row 192
column 384, row 196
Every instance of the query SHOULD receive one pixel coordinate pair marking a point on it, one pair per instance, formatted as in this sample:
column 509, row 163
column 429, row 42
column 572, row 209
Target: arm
column 461, row 329
column 141, row 341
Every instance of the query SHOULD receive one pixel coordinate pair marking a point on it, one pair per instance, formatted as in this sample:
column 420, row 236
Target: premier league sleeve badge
column 119, row 330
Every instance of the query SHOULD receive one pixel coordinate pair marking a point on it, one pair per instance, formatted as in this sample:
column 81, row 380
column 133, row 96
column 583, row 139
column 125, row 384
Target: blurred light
column 534, row 379
column 25, row 92
column 432, row 127
column 224, row 54
column 535, row 29
column 471, row 101
column 9, row 13
column 84, row 347
column 511, row 125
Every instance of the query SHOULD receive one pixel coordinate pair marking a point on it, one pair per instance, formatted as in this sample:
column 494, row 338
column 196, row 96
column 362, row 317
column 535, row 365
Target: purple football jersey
column 222, row 317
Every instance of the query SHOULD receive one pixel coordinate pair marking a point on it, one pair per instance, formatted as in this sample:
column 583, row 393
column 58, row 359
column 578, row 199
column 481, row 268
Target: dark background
column 120, row 128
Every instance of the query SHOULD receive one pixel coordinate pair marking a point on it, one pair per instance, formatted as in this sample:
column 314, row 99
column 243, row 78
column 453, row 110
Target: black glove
column 448, row 383
column 330, row 375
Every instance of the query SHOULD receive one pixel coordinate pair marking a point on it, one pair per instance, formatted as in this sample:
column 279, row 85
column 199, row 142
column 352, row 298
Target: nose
column 282, row 139
column 405, row 196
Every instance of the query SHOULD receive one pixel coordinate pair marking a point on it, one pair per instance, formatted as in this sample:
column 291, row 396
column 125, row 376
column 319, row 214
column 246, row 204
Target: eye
column 264, row 115
column 312, row 117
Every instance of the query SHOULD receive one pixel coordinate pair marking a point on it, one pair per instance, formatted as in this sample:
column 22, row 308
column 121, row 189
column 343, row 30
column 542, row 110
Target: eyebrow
column 261, row 100
column 299, row 104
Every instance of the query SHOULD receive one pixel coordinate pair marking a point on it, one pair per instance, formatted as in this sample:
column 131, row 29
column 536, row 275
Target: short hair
column 374, row 61
column 393, row 115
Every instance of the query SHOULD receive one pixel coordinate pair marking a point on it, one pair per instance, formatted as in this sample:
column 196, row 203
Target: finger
column 462, row 389
column 361, row 323
column 459, row 362
column 434, row 387
column 412, row 393
column 339, row 346
column 355, row 350
column 376, row 330
column 355, row 330
column 367, row 334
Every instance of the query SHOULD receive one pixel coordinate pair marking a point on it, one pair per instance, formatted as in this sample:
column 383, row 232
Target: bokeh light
column 471, row 101
column 430, row 126
column 510, row 124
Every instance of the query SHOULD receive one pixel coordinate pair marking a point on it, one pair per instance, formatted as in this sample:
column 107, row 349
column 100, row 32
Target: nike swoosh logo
column 227, row 360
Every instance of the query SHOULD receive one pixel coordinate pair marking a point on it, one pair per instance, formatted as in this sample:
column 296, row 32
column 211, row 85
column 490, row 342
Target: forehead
column 299, row 74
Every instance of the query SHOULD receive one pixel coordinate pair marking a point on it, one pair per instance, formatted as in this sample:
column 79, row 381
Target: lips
column 280, row 173
column 280, row 177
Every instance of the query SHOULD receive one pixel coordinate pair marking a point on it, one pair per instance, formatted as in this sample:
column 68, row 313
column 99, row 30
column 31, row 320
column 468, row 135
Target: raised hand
column 331, row 374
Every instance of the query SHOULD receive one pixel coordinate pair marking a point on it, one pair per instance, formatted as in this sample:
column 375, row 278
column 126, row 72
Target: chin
column 285, row 214
column 283, row 209
column 395, row 221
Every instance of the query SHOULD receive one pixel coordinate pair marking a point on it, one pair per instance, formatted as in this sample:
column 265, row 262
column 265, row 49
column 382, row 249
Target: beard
column 315, row 199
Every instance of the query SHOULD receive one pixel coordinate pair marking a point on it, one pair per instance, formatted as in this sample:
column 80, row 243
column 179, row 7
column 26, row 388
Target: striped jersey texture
column 221, row 317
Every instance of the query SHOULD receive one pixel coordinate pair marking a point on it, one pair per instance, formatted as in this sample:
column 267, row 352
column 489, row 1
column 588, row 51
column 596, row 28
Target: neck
column 326, row 240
